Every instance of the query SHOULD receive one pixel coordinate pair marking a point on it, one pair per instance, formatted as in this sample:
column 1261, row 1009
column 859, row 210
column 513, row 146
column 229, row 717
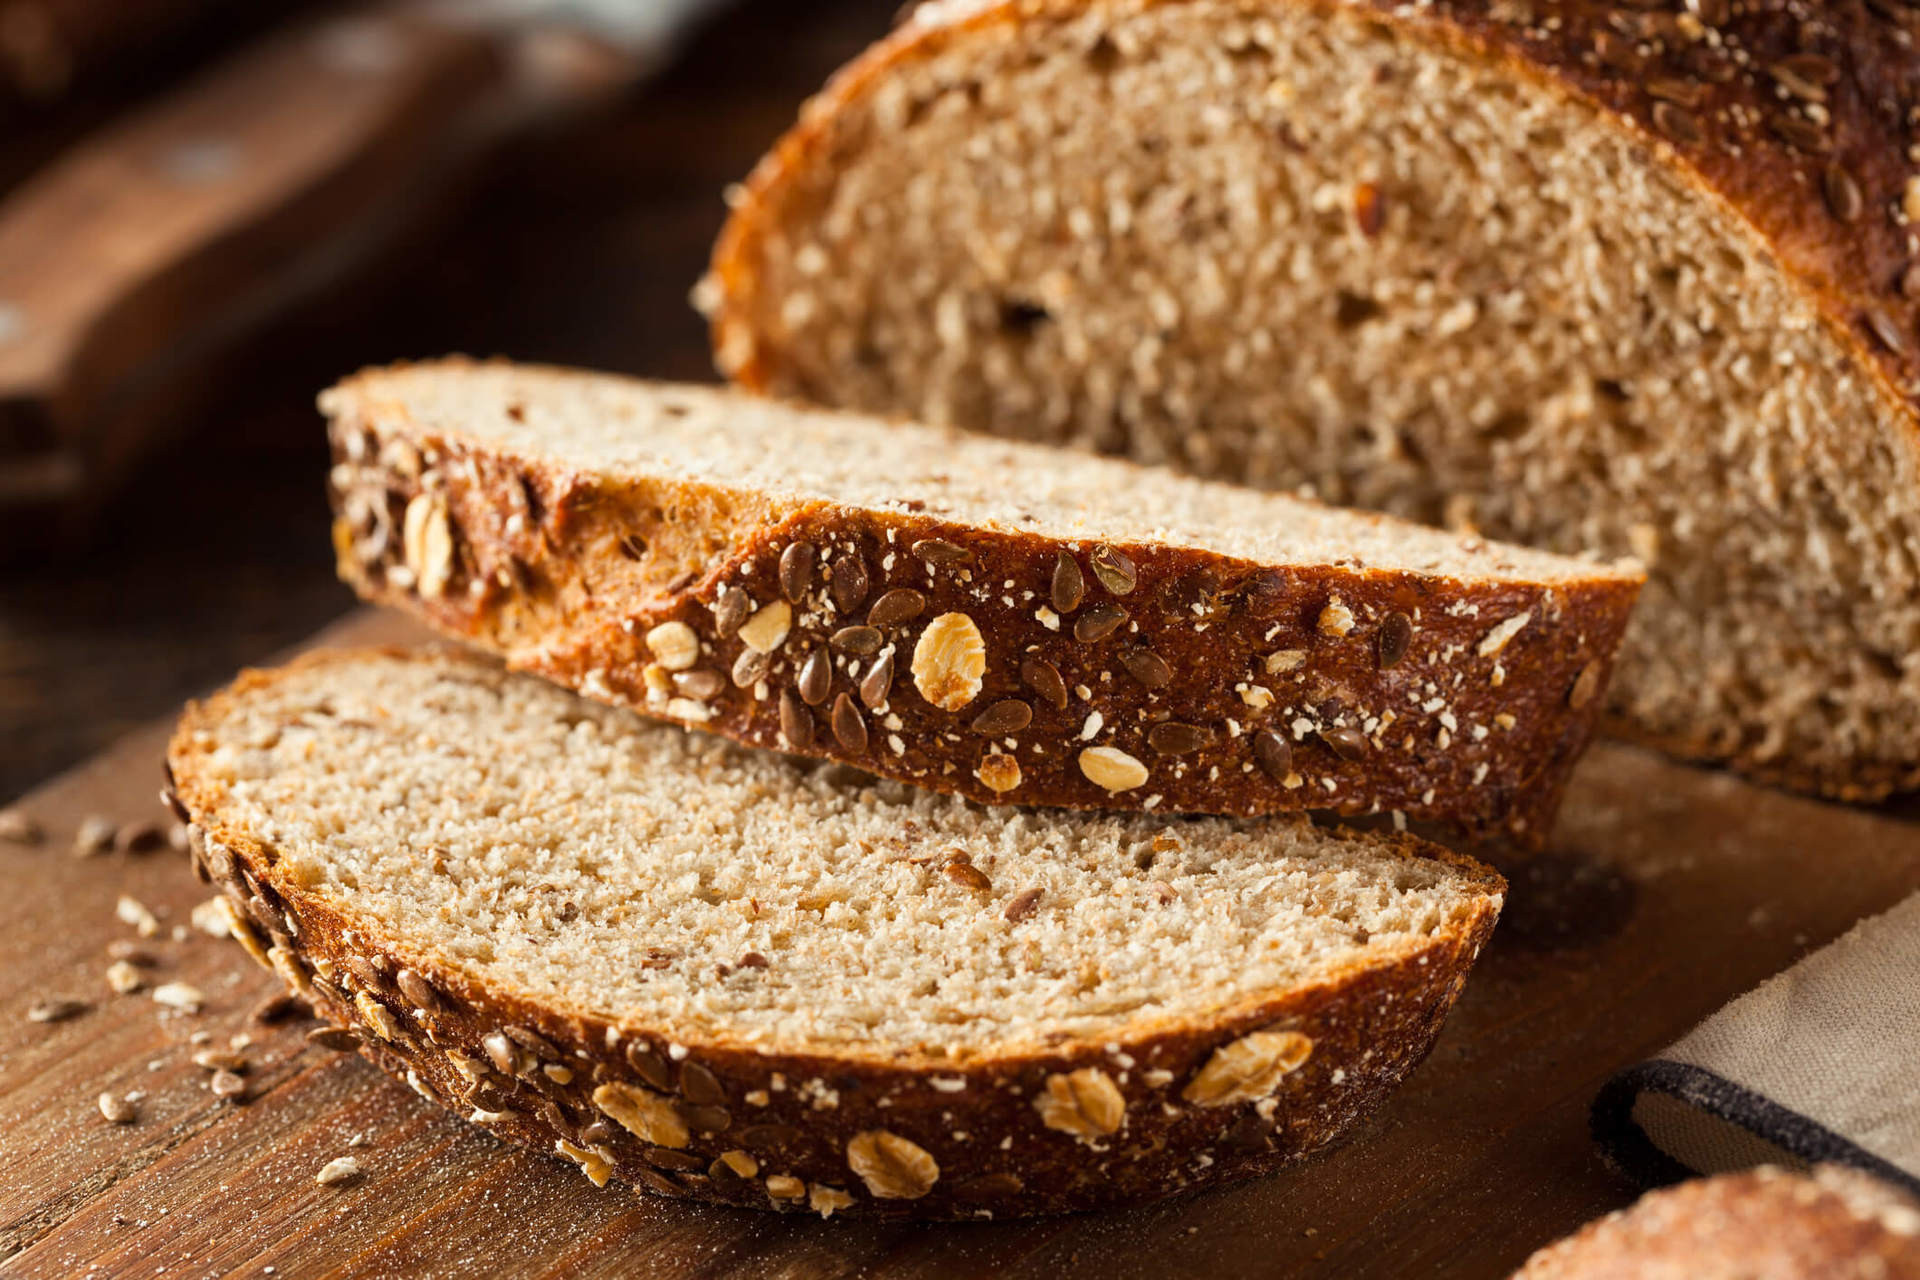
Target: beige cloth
column 1819, row 1063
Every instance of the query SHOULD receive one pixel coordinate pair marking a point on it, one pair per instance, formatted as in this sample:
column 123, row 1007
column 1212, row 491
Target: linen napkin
column 1821, row 1063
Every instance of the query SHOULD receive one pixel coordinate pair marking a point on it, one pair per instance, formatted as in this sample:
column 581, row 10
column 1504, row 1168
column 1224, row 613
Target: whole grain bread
column 735, row 976
column 1606, row 276
column 1831, row 1224
column 1009, row 622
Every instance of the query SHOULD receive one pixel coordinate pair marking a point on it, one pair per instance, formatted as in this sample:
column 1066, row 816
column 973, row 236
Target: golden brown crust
column 569, row 576
column 475, row 1048
column 1762, row 1225
column 1800, row 122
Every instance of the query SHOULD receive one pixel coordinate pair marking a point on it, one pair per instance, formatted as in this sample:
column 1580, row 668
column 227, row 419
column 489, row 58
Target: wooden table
column 1668, row 890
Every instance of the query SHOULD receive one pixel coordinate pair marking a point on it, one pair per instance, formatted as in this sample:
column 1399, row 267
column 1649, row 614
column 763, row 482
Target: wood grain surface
column 1668, row 890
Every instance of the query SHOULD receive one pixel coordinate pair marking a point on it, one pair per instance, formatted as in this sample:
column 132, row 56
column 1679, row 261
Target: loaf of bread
column 1009, row 622
column 741, row 977
column 1831, row 1224
column 1634, row 277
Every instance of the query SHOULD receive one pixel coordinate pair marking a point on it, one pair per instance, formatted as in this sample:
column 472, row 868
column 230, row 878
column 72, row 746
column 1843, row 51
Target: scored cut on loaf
column 1009, row 622
column 1595, row 277
column 739, row 976
column 1829, row 1223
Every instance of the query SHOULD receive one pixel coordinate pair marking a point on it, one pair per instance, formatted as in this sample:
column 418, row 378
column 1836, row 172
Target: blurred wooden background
column 578, row 249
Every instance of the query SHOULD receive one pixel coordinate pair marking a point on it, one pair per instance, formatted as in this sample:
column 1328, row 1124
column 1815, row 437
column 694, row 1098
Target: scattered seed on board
column 94, row 835
column 117, row 1110
column 124, row 977
column 140, row 837
column 132, row 952
column 131, row 911
column 228, row 1086
column 280, row 1008
column 337, row 1039
column 342, row 1169
column 182, row 996
column 220, row 1060
column 18, row 828
column 55, row 1009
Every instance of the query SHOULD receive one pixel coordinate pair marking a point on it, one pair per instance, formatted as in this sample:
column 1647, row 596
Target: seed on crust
column 782, row 1186
column 1336, row 619
column 893, row 1167
column 902, row 604
column 1112, row 769
column 849, row 726
column 1173, row 738
column 796, row 722
column 815, row 679
column 1069, row 588
column 878, row 682
column 767, row 629
column 750, row 668
column 648, row 1116
column 1396, row 637
column 850, row 582
column 1369, row 209
column 1885, row 329
column 1844, row 197
column 938, row 551
column 730, row 608
column 950, row 661
column 1099, row 622
column 1274, row 753
column 649, row 1066
column 1114, row 569
column 1677, row 123
column 1009, row 715
column 999, row 773
column 1585, row 686
column 1085, row 1103
column 796, row 570
column 700, row 685
column 674, row 645
column 865, row 641
column 427, row 544
column 1044, row 679
column 701, row 1087
column 1346, row 742
column 1805, row 75
column 826, row 1201
column 1249, row 1069
column 1148, row 667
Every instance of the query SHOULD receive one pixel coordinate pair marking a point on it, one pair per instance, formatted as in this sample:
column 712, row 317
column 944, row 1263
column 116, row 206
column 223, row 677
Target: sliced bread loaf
column 1009, row 622
column 1601, row 277
column 737, row 976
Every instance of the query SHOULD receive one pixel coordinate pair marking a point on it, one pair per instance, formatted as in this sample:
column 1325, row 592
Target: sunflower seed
column 966, row 875
column 878, row 682
column 1346, row 742
column 796, row 570
column 1044, row 679
column 1099, row 622
column 1115, row 571
column 1068, row 586
column 849, row 726
column 796, row 722
column 816, row 678
column 1274, row 753
column 1009, row 715
column 1148, row 667
column 864, row 641
column 1172, row 738
column 902, row 604
column 850, row 583
column 1396, row 634
column 938, row 551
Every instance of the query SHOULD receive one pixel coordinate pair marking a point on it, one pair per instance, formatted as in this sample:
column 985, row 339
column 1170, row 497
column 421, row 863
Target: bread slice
column 1599, row 278
column 1767, row 1224
column 737, row 976
column 1007, row 622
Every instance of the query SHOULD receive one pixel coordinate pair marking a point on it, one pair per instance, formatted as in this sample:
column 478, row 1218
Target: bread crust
column 1471, row 730
column 1761, row 1225
column 429, row 1023
column 1822, row 180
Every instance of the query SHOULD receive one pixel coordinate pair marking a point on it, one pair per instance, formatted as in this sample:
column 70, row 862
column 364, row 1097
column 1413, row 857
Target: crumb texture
column 1292, row 243
column 781, row 458
column 608, row 866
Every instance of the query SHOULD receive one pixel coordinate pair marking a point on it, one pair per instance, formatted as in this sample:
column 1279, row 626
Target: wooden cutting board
column 1669, row 890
